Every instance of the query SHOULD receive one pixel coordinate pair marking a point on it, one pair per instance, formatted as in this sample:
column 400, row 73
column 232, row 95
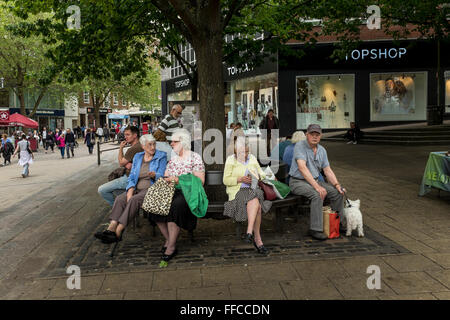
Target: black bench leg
column 114, row 249
column 238, row 230
column 277, row 220
column 191, row 235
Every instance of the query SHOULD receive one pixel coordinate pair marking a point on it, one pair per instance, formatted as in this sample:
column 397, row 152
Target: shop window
column 447, row 91
column 398, row 96
column 116, row 99
column 326, row 100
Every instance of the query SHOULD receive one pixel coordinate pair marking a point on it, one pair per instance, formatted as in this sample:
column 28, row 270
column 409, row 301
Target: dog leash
column 345, row 197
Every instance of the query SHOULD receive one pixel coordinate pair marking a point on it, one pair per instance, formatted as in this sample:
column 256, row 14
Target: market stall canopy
column 18, row 120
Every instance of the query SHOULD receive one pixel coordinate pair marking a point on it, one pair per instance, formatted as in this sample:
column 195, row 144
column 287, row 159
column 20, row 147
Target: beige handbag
column 159, row 197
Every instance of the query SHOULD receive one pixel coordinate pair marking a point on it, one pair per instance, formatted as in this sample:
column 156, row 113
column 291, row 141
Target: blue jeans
column 106, row 190
column 25, row 169
column 62, row 151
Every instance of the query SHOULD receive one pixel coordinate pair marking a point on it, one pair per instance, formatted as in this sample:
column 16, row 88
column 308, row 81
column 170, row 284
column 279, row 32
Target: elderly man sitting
column 309, row 158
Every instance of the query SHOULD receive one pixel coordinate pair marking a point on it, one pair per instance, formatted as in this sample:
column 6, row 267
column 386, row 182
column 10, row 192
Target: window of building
column 326, row 100
column 398, row 96
column 86, row 97
column 187, row 52
column 4, row 98
column 116, row 99
column 107, row 102
column 447, row 91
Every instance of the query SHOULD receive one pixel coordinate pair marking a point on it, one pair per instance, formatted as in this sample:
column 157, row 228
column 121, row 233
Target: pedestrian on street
column 26, row 156
column 270, row 122
column 50, row 141
column 7, row 149
column 70, row 142
column 106, row 133
column 44, row 139
column 89, row 140
column 62, row 143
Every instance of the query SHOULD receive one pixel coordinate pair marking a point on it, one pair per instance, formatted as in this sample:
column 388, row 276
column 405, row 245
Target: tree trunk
column 209, row 51
column 38, row 101
column 194, row 85
column 21, row 96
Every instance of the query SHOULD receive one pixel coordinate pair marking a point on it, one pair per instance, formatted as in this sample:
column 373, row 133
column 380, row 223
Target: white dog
column 353, row 216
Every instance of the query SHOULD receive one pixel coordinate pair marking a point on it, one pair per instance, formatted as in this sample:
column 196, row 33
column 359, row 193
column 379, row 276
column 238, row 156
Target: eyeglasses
column 175, row 140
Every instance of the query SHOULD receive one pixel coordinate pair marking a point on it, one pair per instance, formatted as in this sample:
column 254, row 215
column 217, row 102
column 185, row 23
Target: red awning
column 18, row 120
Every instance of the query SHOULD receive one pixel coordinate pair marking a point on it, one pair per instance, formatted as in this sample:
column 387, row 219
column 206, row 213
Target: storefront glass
column 326, row 100
column 254, row 96
column 398, row 96
column 447, row 91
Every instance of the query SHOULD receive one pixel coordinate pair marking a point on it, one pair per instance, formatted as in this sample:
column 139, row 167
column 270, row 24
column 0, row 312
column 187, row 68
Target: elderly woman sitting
column 183, row 161
column 148, row 166
column 245, row 203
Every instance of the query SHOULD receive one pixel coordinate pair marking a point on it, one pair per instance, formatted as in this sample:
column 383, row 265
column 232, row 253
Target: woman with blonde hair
column 245, row 202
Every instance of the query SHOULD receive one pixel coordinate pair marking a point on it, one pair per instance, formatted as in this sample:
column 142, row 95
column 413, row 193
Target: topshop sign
column 376, row 54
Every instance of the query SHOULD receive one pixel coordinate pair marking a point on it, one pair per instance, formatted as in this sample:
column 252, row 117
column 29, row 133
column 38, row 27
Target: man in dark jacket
column 106, row 133
column 70, row 142
column 270, row 122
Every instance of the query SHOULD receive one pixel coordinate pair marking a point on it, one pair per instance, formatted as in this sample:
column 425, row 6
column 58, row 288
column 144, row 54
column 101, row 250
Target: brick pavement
column 406, row 236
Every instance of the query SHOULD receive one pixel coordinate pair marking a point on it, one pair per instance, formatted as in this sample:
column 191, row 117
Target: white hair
column 298, row 136
column 184, row 136
column 146, row 138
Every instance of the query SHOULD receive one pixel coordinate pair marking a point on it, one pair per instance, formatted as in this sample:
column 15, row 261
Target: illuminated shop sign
column 375, row 54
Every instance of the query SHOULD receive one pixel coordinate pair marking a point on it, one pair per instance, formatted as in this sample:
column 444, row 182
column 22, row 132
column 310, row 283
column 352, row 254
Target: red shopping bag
column 331, row 223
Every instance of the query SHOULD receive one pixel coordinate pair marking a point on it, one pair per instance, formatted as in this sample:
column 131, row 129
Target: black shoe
column 262, row 249
column 101, row 235
column 163, row 249
column 168, row 257
column 111, row 238
column 318, row 235
column 249, row 238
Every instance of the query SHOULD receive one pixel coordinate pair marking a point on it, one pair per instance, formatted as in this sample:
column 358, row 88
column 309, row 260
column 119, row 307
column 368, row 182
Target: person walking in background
column 50, row 141
column 7, row 149
column 26, row 156
column 89, row 140
column 270, row 122
column 106, row 133
column 99, row 133
column 44, row 139
column 70, row 142
column 61, row 142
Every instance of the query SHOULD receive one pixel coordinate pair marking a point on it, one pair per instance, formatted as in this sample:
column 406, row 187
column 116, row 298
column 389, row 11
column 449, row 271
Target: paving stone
column 442, row 295
column 423, row 296
column 441, row 245
column 273, row 273
column 413, row 282
column 416, row 247
column 38, row 289
column 114, row 296
column 151, row 295
column 321, row 269
column 115, row 283
column 204, row 293
column 357, row 266
column 270, row 291
column 89, row 285
column 164, row 280
column 442, row 276
column 317, row 289
column 442, row 259
column 225, row 275
column 409, row 263
column 355, row 287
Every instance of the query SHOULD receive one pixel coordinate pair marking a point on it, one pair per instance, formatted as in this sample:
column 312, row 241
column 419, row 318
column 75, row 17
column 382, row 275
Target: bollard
column 98, row 152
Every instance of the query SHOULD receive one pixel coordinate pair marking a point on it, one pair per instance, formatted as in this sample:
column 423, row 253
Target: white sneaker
column 349, row 142
column 355, row 142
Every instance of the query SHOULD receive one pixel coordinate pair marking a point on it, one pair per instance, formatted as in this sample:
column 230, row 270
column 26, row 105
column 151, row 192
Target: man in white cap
column 308, row 161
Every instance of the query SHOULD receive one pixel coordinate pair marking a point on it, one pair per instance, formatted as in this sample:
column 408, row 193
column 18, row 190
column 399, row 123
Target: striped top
column 168, row 126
